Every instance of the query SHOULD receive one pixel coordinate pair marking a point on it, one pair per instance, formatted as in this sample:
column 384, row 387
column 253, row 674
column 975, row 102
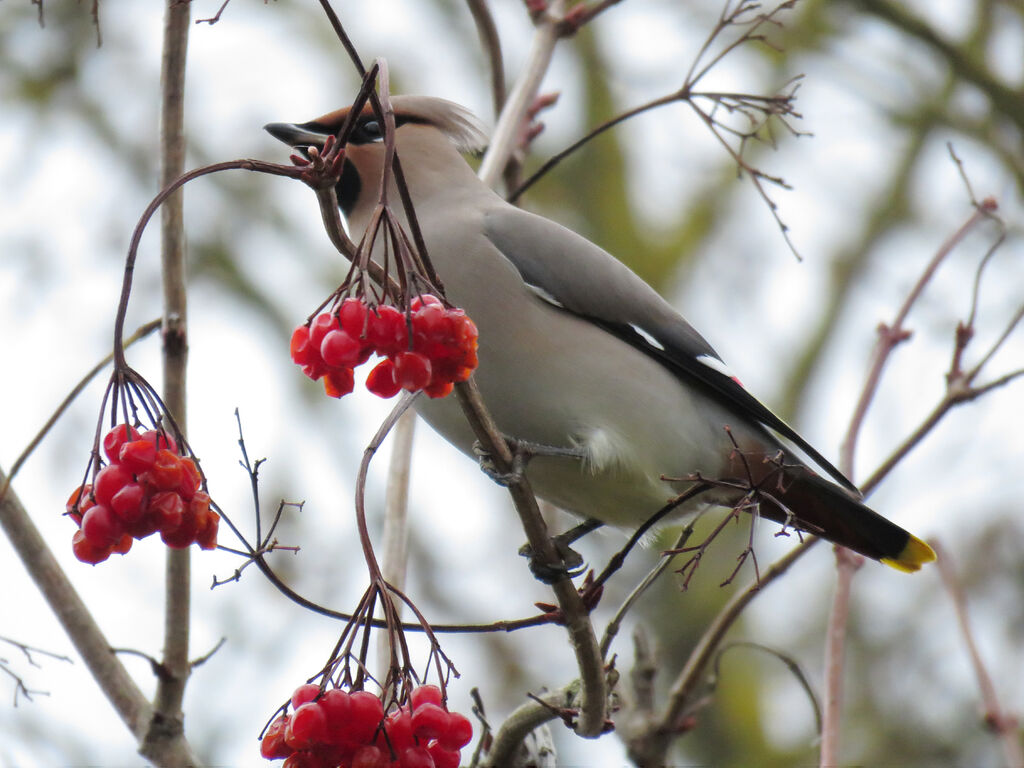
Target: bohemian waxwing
column 577, row 352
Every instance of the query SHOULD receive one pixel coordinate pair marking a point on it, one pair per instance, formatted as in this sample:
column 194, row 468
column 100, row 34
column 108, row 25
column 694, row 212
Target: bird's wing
column 569, row 272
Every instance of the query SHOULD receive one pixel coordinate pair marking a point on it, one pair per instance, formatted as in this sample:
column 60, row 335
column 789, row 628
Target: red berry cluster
column 147, row 487
column 349, row 730
column 440, row 351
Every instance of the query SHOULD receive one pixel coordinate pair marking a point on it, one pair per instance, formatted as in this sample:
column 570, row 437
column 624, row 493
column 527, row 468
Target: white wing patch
column 717, row 365
column 543, row 295
column 647, row 337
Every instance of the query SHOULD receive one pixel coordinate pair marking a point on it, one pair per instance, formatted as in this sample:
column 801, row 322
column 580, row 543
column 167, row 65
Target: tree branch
column 85, row 634
column 575, row 617
column 503, row 142
column 1003, row 724
column 167, row 723
column 491, row 42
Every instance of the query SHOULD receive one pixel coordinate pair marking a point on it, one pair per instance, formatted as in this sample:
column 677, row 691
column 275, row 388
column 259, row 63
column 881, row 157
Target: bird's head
column 430, row 134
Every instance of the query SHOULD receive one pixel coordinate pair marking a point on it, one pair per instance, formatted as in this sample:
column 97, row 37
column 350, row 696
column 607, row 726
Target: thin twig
column 1003, row 724
column 891, row 335
column 791, row 664
column 491, row 42
column 666, row 560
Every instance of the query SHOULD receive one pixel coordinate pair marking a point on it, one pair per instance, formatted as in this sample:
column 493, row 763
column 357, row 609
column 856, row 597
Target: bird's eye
column 372, row 130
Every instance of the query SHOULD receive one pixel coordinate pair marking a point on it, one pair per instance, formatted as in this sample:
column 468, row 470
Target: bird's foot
column 570, row 562
column 522, row 452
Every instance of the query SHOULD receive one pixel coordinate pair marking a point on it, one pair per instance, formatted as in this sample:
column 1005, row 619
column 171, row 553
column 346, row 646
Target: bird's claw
column 522, row 452
column 570, row 562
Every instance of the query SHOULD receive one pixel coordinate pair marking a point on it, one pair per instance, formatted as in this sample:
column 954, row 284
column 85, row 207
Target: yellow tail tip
column 915, row 554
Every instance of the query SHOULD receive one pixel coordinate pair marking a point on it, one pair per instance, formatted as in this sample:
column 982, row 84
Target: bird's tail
column 813, row 504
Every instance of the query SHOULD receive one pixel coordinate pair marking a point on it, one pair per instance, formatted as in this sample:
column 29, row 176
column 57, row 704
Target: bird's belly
column 632, row 423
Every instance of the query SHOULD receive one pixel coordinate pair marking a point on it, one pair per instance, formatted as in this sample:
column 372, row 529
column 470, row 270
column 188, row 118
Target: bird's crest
column 456, row 122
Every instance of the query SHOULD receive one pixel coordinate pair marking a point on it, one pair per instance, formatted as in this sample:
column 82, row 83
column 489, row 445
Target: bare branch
column 168, row 718
column 491, row 42
column 1004, row 725
column 111, row 676
column 574, row 614
column 503, row 141
column 891, row 335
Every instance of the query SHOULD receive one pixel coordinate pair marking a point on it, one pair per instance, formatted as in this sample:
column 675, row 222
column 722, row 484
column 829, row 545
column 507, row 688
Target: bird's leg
column 522, row 452
column 571, row 562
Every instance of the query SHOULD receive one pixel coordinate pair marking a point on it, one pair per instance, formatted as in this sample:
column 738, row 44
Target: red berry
column 440, row 389
column 470, row 361
column 207, row 521
column 444, row 758
column 340, row 350
column 367, row 712
column 206, row 536
column 145, row 526
column 386, row 331
column 79, row 502
column 129, row 503
column 302, row 350
column 398, row 733
column 161, row 440
column 166, row 510
column 415, row 757
column 122, row 546
column 101, row 527
column 370, row 757
column 138, row 455
column 338, row 382
column 308, row 726
column 115, row 438
column 109, row 481
column 429, row 721
column 315, row 370
column 381, row 380
column 165, row 474
column 432, row 323
column 273, row 744
column 303, row 759
column 86, row 551
column 304, row 694
column 336, row 706
column 424, row 300
column 412, row 371
column 459, row 732
column 354, row 317
column 190, row 479
column 322, row 324
column 425, row 694
column 184, row 534
column 466, row 333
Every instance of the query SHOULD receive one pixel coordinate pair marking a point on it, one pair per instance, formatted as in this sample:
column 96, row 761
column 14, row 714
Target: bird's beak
column 295, row 135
